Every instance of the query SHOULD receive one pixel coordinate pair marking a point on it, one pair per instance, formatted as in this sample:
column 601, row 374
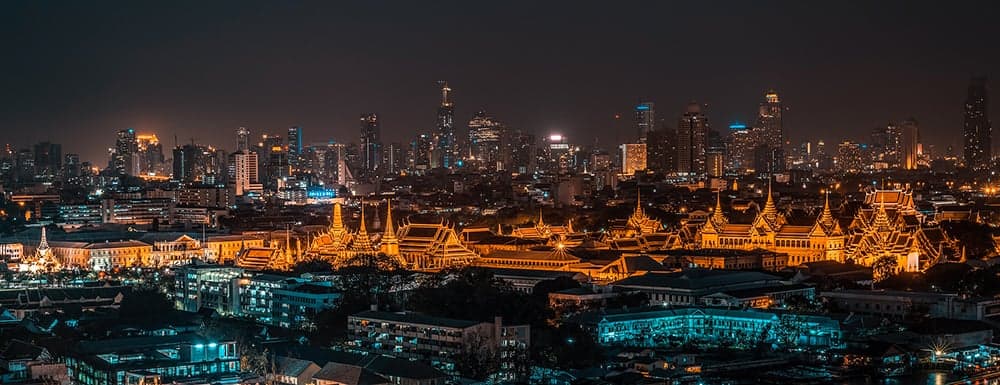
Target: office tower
column 522, row 152
column 295, row 146
column 909, row 141
column 272, row 161
column 770, row 136
column 124, row 159
column 978, row 130
column 739, row 147
column 556, row 155
column 633, row 157
column 71, row 166
column 48, row 159
column 887, row 143
column 445, row 150
column 645, row 120
column 150, row 154
column 849, row 157
column 242, row 139
column 421, row 152
column 485, row 140
column 243, row 178
column 657, row 150
column 692, row 133
column 715, row 164
column 371, row 147
column 186, row 160
column 393, row 159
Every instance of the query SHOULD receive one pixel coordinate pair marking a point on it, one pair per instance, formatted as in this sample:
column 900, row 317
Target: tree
column 311, row 265
column 144, row 304
column 884, row 267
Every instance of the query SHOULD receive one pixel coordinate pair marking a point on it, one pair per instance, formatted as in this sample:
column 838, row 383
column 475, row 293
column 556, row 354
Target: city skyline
column 313, row 73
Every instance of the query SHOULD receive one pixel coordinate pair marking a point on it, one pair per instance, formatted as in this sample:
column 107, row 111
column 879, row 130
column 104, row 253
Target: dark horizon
column 77, row 73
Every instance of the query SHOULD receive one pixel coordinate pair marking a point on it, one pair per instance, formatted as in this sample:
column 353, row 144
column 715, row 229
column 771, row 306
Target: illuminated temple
column 890, row 226
column 823, row 240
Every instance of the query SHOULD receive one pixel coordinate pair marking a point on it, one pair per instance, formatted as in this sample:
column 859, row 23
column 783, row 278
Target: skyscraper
column 242, row 139
column 770, row 135
column 48, row 159
column 633, row 157
column 909, row 143
column 371, row 146
column 485, row 137
column 645, row 120
column 739, row 147
column 243, row 178
column 294, row 146
column 150, row 154
column 445, row 148
column 692, row 133
column 978, row 131
column 124, row 159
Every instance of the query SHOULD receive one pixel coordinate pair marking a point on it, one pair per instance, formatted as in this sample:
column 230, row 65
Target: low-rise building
column 436, row 340
column 898, row 304
column 690, row 287
column 159, row 359
column 662, row 327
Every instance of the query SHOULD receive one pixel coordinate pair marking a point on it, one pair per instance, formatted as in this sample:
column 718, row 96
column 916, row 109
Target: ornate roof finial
column 389, row 231
column 541, row 221
column 717, row 213
column 337, row 221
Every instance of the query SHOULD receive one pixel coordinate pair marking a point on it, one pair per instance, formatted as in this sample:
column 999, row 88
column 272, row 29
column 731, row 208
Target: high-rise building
column 887, row 146
column 150, row 154
column 739, row 147
column 522, row 152
column 48, row 159
column 910, row 143
column 295, row 146
column 645, row 120
column 71, row 166
column 978, row 130
column 420, row 153
column 692, row 134
column 445, row 148
column 849, row 157
column 485, row 140
column 243, row 178
column 393, row 159
column 186, row 160
column 124, row 159
column 242, row 139
column 371, row 146
column 633, row 158
column 770, row 136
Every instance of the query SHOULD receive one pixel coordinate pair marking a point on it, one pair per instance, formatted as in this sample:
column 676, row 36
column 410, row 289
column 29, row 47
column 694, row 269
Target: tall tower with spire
column 389, row 244
column 445, row 147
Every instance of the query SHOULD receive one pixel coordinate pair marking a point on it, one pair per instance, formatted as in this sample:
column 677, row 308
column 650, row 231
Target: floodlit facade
column 716, row 327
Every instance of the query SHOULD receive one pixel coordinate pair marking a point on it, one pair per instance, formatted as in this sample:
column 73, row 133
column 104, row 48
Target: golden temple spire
column 389, row 245
column 541, row 222
column 389, row 231
column 770, row 210
column 337, row 221
column 717, row 213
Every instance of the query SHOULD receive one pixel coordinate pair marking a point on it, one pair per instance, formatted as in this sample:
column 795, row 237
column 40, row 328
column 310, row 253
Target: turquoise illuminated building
column 660, row 328
column 151, row 359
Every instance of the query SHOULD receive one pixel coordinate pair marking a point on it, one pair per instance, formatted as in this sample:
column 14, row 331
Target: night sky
column 76, row 72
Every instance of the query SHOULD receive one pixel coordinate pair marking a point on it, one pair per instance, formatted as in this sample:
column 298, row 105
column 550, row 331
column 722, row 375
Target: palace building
column 432, row 246
column 823, row 240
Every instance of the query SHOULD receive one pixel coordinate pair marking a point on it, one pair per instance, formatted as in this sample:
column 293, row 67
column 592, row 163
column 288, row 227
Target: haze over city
column 78, row 72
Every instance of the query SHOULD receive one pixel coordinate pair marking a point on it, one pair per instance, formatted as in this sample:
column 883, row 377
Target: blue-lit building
column 158, row 358
column 663, row 327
